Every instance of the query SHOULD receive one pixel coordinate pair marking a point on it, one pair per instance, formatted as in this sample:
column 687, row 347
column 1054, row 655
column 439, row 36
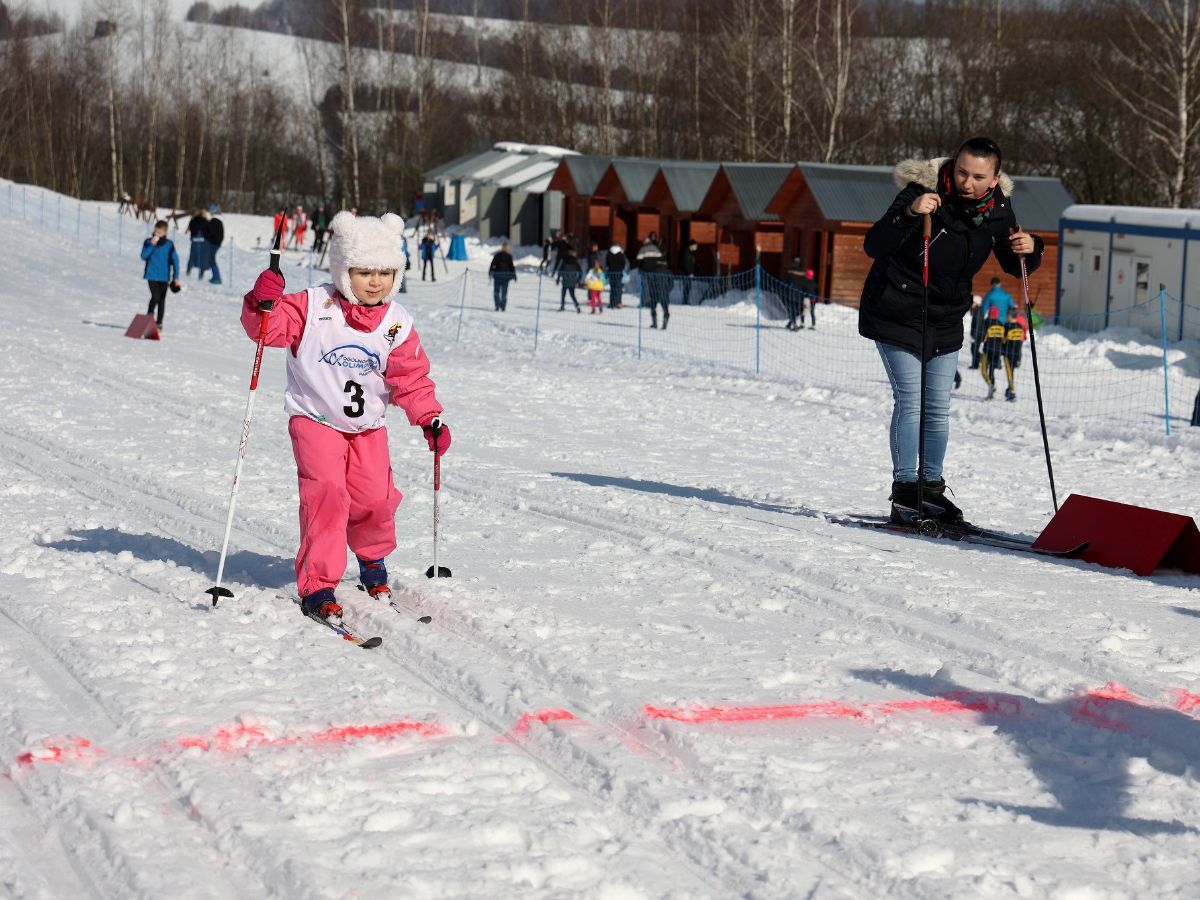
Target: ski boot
column 1010, row 395
column 373, row 577
column 935, row 499
column 321, row 605
column 991, row 391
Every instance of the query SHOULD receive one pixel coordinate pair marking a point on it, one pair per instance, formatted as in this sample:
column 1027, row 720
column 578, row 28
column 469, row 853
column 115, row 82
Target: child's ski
column 348, row 635
column 424, row 620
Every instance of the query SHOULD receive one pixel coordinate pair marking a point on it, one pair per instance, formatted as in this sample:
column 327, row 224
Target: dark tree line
column 1102, row 93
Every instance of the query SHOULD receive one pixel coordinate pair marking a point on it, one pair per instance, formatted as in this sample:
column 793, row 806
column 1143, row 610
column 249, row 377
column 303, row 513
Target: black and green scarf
column 974, row 211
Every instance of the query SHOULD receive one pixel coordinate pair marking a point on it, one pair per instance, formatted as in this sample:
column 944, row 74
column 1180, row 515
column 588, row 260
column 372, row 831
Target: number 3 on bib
column 357, row 404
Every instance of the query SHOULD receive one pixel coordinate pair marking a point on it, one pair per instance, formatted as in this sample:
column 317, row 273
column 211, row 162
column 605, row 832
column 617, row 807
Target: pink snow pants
column 347, row 497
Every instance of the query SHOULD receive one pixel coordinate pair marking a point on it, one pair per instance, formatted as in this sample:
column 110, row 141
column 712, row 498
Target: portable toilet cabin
column 1130, row 266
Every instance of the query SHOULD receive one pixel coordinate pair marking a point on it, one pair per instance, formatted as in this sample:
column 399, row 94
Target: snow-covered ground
column 658, row 670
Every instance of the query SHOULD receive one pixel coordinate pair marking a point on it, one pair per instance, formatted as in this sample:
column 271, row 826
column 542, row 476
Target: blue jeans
column 216, row 273
column 904, row 372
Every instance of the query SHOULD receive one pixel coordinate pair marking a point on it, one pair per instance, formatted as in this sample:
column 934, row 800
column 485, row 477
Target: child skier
column 993, row 350
column 595, row 282
column 1014, row 337
column 352, row 351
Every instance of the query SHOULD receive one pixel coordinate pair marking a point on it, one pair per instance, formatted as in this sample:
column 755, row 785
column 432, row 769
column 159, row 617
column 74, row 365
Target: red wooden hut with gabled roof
column 676, row 192
column 737, row 202
column 585, row 216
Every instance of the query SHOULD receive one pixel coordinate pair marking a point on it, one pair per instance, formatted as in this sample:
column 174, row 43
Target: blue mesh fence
column 1124, row 372
column 101, row 226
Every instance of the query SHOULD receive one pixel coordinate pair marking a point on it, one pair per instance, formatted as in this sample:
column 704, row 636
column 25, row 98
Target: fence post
column 462, row 303
column 641, row 304
column 1162, row 312
column 537, row 315
column 757, row 314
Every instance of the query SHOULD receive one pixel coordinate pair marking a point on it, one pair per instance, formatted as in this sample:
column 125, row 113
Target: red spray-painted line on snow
column 958, row 702
column 1100, row 707
column 1186, row 701
column 545, row 716
column 75, row 749
column 234, row 739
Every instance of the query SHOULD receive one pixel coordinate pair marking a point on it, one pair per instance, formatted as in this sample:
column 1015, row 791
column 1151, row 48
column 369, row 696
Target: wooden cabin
column 737, row 202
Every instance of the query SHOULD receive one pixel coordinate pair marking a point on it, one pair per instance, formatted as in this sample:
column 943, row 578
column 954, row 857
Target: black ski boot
column 321, row 605
column 904, row 502
column 940, row 505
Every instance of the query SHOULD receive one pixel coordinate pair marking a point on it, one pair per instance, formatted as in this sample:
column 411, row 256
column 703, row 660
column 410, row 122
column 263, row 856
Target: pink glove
column 268, row 287
column 443, row 436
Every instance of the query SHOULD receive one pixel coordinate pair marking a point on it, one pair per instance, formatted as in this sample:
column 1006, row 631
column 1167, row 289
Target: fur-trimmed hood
column 924, row 172
column 364, row 242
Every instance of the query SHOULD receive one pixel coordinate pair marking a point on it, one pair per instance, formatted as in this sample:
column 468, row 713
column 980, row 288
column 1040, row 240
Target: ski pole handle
column 927, row 229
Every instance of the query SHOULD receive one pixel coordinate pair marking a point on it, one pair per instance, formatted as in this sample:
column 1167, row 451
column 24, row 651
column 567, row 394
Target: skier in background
column 336, row 409
column 161, row 270
column 1015, row 332
column 428, row 248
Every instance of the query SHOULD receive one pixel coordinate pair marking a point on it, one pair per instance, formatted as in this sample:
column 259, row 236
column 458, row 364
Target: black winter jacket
column 502, row 266
column 214, row 230
column 890, row 307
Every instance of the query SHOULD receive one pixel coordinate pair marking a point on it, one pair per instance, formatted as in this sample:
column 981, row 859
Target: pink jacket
column 407, row 370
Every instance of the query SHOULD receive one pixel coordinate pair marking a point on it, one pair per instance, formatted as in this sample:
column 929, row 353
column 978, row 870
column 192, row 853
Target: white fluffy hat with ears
column 364, row 242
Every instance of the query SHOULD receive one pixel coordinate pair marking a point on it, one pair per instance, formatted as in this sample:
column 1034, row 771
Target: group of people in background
column 207, row 234
column 611, row 269
column 998, row 332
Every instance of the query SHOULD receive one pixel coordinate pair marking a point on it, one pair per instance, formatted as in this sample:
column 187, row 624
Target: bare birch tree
column 1153, row 72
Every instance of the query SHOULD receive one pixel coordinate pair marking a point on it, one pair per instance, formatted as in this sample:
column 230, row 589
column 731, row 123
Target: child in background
column 162, row 269
column 595, row 282
column 351, row 352
column 1014, row 336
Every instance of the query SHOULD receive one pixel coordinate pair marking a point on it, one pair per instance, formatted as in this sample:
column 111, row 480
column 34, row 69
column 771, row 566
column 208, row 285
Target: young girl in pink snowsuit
column 352, row 351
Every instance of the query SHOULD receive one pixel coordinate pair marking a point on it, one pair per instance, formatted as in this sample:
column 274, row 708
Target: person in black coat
column 570, row 272
column 687, row 269
column 967, row 199
column 615, row 267
column 502, row 271
column 428, row 248
column 214, row 232
column 198, row 251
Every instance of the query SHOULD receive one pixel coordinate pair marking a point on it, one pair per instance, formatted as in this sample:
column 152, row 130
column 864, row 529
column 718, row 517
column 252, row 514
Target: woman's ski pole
column 217, row 591
column 1037, row 381
column 436, row 571
column 922, row 527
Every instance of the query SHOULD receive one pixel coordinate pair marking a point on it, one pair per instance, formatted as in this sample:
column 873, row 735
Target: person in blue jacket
column 998, row 299
column 162, row 269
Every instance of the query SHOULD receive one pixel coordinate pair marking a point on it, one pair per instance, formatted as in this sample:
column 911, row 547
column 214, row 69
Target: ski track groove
column 90, row 717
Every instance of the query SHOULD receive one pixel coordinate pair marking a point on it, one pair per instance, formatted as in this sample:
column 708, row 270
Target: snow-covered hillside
column 658, row 671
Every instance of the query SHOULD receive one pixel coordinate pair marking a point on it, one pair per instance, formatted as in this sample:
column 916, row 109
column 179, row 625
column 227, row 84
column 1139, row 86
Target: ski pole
column 436, row 571
column 1037, row 380
column 217, row 591
column 922, row 527
column 445, row 265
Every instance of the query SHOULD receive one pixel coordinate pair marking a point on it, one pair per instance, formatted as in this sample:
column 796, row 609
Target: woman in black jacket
column 967, row 198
